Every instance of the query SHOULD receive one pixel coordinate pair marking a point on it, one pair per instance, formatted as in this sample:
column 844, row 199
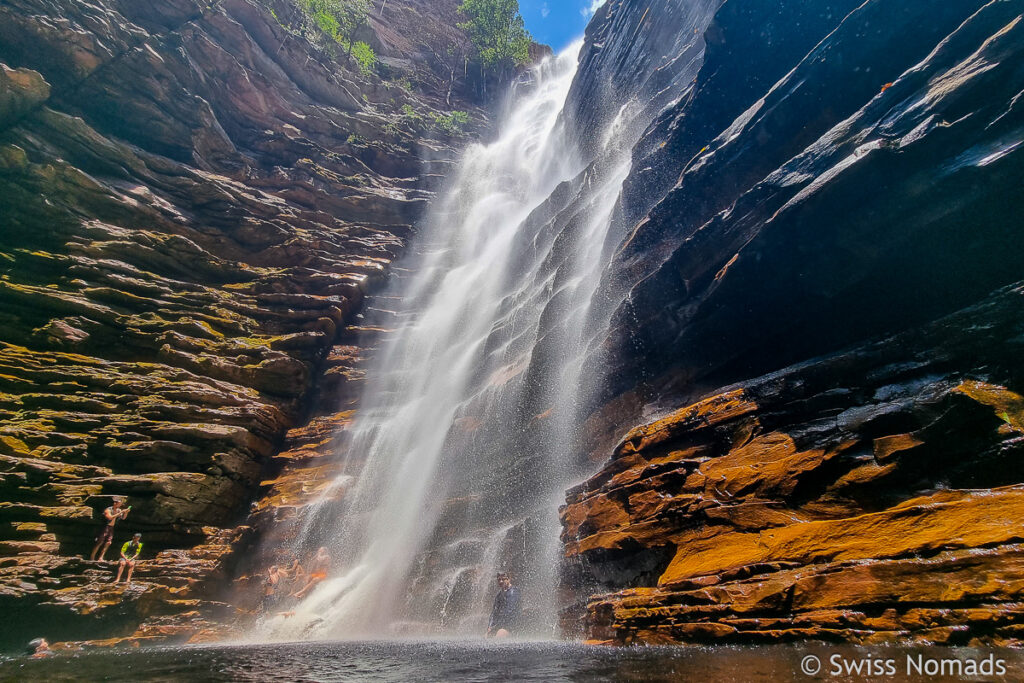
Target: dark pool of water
column 462, row 661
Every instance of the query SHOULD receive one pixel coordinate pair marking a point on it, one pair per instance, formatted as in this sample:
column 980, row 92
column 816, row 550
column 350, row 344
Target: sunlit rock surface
column 196, row 198
column 868, row 495
column 811, row 369
column 821, row 315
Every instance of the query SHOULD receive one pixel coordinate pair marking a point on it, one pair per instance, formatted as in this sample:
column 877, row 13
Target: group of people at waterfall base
column 281, row 584
column 131, row 548
column 292, row 582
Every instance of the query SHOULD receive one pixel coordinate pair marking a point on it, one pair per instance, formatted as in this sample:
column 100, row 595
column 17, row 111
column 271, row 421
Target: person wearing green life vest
column 129, row 554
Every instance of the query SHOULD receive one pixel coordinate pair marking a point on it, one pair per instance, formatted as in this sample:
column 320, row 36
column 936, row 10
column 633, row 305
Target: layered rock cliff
column 821, row 310
column 867, row 496
column 196, row 199
column 812, row 402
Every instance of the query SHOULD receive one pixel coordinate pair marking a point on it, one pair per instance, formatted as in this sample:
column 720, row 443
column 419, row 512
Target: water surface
column 475, row 661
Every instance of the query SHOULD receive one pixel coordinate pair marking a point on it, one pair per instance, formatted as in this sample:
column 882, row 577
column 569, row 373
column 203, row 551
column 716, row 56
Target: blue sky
column 557, row 22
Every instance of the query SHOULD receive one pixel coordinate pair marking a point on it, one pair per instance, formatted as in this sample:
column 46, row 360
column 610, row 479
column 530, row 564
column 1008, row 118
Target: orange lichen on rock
column 1009, row 406
column 887, row 445
column 945, row 520
column 830, row 600
column 707, row 413
column 790, row 509
column 766, row 465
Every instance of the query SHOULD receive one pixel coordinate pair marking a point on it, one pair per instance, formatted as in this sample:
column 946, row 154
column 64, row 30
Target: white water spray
column 467, row 418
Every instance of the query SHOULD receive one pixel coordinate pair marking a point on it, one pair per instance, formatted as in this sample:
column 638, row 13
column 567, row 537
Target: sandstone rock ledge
column 195, row 199
column 871, row 496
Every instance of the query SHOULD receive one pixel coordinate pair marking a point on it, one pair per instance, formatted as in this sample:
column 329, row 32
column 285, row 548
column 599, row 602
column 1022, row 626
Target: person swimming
column 38, row 648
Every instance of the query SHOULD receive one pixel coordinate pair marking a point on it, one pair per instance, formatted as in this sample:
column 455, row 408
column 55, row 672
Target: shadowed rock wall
column 857, row 195
column 838, row 174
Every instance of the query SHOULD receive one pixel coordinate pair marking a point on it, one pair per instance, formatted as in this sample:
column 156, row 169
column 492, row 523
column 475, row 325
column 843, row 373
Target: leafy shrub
column 365, row 57
column 451, row 123
column 410, row 113
column 327, row 15
column 498, row 33
column 341, row 20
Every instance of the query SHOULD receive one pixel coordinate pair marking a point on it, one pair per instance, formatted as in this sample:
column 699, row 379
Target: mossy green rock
column 196, row 199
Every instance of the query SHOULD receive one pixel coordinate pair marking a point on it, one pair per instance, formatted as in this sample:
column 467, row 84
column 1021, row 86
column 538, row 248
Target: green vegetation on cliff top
column 498, row 33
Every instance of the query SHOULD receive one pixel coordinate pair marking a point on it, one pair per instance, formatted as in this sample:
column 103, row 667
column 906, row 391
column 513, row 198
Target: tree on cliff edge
column 499, row 35
column 341, row 20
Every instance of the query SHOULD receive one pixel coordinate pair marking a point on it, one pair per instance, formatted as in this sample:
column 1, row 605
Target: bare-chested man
column 106, row 535
column 317, row 573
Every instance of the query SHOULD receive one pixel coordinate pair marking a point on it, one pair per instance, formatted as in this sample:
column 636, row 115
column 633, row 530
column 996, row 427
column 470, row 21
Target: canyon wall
column 813, row 380
column 810, row 397
column 196, row 199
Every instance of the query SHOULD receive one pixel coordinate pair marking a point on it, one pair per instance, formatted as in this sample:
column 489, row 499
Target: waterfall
column 467, row 420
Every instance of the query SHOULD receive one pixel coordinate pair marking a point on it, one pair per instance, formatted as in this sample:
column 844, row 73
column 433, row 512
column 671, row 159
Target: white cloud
column 545, row 11
column 588, row 12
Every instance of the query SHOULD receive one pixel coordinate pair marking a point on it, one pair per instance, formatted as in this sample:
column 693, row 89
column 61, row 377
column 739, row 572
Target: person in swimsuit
column 106, row 535
column 318, row 572
column 295, row 577
column 270, row 586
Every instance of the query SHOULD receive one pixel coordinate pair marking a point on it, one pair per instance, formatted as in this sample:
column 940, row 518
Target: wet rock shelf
column 872, row 495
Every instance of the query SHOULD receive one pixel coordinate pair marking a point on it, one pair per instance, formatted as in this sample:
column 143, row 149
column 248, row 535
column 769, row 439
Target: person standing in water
column 317, row 572
column 295, row 577
column 106, row 535
column 506, row 610
column 270, row 586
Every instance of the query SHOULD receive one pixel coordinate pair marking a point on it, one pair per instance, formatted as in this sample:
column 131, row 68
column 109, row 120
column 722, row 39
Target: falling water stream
column 468, row 416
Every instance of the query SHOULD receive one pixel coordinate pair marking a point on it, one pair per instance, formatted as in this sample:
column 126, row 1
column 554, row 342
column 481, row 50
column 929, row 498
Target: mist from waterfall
column 468, row 417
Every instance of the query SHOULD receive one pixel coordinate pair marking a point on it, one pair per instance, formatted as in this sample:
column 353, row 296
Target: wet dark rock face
column 639, row 56
column 820, row 285
column 868, row 189
column 196, row 198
